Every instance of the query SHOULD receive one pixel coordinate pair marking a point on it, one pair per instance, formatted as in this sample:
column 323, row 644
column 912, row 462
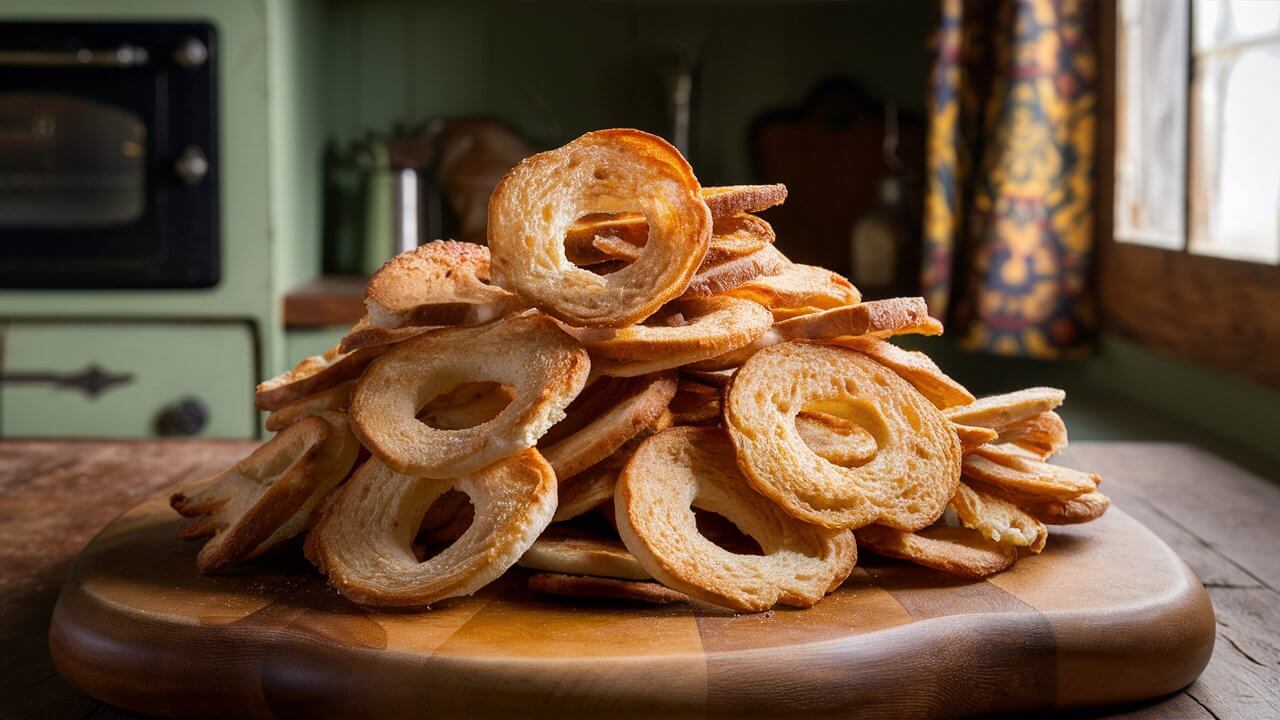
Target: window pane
column 1151, row 101
column 1235, row 202
column 1223, row 22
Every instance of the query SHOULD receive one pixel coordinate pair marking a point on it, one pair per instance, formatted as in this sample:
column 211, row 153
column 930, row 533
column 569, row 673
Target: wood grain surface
column 57, row 493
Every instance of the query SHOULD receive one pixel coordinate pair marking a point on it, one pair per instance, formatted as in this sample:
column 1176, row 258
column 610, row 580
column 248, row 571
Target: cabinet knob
column 185, row 417
column 192, row 166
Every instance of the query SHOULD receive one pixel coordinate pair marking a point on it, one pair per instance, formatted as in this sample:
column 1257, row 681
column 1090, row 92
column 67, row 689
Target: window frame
column 1219, row 313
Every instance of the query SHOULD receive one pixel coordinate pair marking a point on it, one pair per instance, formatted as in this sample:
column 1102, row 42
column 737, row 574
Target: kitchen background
column 192, row 190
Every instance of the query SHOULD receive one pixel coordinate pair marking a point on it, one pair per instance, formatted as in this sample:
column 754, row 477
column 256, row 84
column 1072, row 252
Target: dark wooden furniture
column 326, row 301
column 53, row 496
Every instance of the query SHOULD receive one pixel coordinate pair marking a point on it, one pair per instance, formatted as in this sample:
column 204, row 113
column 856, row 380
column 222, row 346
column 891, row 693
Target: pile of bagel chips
column 632, row 392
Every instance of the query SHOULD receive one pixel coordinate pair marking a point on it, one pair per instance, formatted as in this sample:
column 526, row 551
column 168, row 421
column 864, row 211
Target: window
column 1198, row 127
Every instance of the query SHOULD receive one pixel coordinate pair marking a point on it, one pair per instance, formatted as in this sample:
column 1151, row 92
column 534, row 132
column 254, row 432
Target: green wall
column 558, row 69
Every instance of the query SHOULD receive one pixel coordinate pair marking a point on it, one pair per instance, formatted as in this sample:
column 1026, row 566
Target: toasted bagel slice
column 681, row 332
column 362, row 335
column 727, row 200
column 999, row 412
column 269, row 496
column 682, row 468
column 914, row 367
column 956, row 551
column 364, row 540
column 720, row 277
column 443, row 282
column 1080, row 509
column 598, row 588
column 575, row 552
column 612, row 171
column 906, row 485
column 1010, row 469
column 632, row 405
column 695, row 403
column 333, row 399
column 732, row 237
column 528, row 352
column 997, row 520
column 316, row 373
column 798, row 290
column 877, row 319
column 1044, row 434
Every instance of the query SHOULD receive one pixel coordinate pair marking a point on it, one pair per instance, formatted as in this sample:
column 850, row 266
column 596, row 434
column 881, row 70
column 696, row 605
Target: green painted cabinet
column 209, row 365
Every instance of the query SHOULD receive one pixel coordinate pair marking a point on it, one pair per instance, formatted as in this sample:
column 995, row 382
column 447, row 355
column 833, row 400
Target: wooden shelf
column 325, row 302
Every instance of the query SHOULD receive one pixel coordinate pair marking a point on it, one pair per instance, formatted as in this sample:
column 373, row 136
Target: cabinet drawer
column 210, row 365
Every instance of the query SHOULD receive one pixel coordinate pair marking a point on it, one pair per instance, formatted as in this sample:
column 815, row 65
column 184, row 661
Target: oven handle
column 125, row 56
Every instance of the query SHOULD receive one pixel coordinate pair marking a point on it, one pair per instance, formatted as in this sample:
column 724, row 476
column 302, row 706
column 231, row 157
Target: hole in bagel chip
column 528, row 352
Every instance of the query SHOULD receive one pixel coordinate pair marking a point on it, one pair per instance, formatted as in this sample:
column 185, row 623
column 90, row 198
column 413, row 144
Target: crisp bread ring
column 717, row 278
column 906, row 485
column 606, row 171
column 1044, row 434
column 685, row 468
column 269, row 496
column 562, row 550
column 914, row 367
column 528, row 352
column 333, row 399
column 364, row 540
column 316, row 373
column 681, row 332
column 1080, row 509
column 362, row 335
column 799, row 290
column 956, row 551
column 443, row 282
column 1019, row 474
column 1000, row 412
column 598, row 588
column 617, row 410
column 875, row 319
column 695, row 403
column 997, row 519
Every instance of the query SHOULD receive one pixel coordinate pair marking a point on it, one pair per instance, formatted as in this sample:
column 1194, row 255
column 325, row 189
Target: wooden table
column 54, row 495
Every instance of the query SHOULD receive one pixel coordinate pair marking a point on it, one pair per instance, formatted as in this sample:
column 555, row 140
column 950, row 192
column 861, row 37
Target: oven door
column 108, row 155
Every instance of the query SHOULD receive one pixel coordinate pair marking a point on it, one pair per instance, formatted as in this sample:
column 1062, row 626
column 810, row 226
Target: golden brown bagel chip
column 729, row 200
column 613, row 230
column 736, row 236
column 362, row 335
column 798, row 290
column 731, row 237
column 681, row 332
column 914, row 367
column 1080, row 509
column 1044, row 434
column 597, row 588
column 694, row 467
column 972, row 438
column 998, row 520
column 334, row 399
column 714, row 378
column 999, row 412
column 637, row 403
column 695, row 403
column 575, row 552
column 876, row 319
column 992, row 466
column 528, row 352
column 316, row 373
column 715, row 279
column 269, row 496
column 917, row 463
column 956, row 551
column 443, row 282
column 607, row 171
column 591, row 488
column 364, row 540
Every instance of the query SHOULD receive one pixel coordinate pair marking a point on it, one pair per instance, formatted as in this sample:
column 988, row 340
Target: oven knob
column 191, row 54
column 192, row 166
column 186, row 417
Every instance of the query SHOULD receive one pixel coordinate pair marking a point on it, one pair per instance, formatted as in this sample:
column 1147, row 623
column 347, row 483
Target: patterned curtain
column 1010, row 200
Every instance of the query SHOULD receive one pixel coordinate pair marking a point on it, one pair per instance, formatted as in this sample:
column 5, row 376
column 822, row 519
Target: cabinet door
column 193, row 378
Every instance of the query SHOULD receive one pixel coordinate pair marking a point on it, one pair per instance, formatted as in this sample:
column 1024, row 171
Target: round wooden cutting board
column 1107, row 614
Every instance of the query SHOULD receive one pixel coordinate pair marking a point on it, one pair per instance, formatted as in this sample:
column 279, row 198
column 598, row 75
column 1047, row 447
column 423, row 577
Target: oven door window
column 70, row 162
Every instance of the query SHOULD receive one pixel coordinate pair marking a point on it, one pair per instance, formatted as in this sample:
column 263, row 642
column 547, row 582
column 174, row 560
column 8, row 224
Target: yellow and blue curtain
column 1009, row 211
